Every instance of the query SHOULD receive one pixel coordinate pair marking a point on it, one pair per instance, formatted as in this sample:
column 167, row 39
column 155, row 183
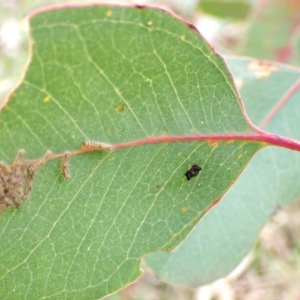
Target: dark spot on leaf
column 140, row 6
column 192, row 172
column 120, row 107
column 192, row 27
column 214, row 203
column 158, row 186
column 277, row 208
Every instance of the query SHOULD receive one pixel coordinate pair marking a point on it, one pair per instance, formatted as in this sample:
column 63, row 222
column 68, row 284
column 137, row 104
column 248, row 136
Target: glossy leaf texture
column 227, row 233
column 114, row 75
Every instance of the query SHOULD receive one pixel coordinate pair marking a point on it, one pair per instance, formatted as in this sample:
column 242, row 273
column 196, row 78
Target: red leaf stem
column 260, row 136
column 280, row 104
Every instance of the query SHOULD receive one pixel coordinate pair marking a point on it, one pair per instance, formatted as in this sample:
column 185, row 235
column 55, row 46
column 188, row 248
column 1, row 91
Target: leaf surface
column 226, row 234
column 114, row 75
column 273, row 31
column 233, row 9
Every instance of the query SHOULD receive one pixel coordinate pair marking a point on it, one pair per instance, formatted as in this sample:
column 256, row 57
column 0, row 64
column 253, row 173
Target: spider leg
column 2, row 200
column 20, row 175
column 17, row 163
column 3, row 203
column 64, row 166
column 13, row 198
column 19, row 157
column 31, row 168
column 28, row 184
column 34, row 166
column 4, row 169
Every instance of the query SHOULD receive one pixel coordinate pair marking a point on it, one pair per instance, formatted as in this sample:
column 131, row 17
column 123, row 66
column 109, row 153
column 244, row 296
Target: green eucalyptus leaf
column 117, row 75
column 232, row 9
column 226, row 234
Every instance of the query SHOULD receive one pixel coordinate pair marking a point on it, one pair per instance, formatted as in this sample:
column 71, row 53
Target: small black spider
column 192, row 172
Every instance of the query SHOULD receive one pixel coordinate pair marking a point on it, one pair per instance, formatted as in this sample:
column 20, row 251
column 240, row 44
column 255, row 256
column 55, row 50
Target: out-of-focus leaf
column 233, row 9
column 271, row 33
column 297, row 46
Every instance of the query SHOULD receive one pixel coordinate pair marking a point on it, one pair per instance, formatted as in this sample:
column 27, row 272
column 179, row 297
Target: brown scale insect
column 16, row 179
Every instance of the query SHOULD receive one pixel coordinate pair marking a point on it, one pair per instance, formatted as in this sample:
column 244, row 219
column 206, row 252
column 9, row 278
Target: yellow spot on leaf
column 46, row 99
column 149, row 23
column 171, row 232
column 109, row 13
column 213, row 143
column 240, row 156
column 149, row 80
column 261, row 68
column 164, row 134
column 184, row 209
column 120, row 107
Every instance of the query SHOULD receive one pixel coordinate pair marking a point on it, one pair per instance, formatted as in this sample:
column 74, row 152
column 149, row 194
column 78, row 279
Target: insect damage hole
column 91, row 145
column 192, row 172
